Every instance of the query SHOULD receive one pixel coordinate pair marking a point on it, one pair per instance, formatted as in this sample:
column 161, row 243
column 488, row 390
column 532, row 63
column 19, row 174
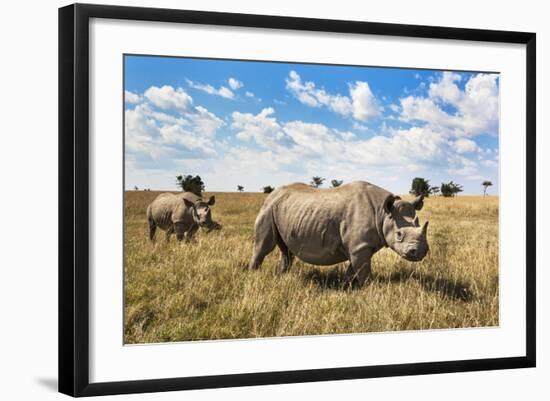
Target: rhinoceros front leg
column 179, row 228
column 169, row 232
column 359, row 268
column 189, row 235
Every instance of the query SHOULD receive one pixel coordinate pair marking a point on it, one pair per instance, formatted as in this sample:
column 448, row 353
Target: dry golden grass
column 179, row 292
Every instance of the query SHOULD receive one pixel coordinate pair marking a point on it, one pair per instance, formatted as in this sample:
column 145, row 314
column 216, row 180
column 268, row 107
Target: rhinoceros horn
column 425, row 228
column 418, row 202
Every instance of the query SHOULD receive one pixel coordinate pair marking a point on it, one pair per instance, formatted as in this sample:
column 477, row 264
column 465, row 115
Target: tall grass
column 202, row 290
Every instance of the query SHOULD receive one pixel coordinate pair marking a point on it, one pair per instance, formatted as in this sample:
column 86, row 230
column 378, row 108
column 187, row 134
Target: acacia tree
column 336, row 183
column 316, row 181
column 268, row 189
column 486, row 184
column 188, row 183
column 240, row 188
column 421, row 186
column 450, row 189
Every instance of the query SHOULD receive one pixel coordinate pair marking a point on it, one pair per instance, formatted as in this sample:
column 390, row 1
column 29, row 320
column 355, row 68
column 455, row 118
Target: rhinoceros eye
column 399, row 235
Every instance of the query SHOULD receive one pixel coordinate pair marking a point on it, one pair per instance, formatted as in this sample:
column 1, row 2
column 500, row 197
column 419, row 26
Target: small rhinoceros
column 181, row 213
column 329, row 226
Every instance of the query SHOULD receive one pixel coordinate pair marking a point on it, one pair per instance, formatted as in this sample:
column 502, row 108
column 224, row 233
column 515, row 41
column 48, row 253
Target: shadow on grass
column 333, row 279
column 327, row 279
column 452, row 289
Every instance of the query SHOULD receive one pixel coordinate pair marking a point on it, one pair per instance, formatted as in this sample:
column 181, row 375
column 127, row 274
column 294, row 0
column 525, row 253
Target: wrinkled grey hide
column 329, row 226
column 181, row 213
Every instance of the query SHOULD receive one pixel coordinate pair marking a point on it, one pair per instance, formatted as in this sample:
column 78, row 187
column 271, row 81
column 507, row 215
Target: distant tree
column 188, row 183
column 136, row 188
column 240, row 188
column 450, row 189
column 421, row 186
column 486, row 184
column 268, row 189
column 316, row 181
column 336, row 183
column 435, row 190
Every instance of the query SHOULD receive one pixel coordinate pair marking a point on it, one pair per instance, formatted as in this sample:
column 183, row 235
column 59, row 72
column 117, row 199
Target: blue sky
column 259, row 123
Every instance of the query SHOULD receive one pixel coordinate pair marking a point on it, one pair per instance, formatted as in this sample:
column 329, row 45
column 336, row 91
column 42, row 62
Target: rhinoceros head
column 402, row 230
column 202, row 214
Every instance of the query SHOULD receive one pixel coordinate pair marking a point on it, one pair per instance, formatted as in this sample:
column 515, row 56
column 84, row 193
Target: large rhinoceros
column 181, row 213
column 329, row 226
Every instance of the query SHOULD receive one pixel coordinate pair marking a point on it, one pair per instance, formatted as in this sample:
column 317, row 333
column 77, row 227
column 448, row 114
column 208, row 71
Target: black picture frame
column 74, row 198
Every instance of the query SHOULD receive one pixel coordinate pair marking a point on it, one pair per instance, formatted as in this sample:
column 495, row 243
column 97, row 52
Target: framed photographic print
column 249, row 199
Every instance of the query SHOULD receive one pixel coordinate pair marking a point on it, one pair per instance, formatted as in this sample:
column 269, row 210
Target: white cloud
column 140, row 130
column 446, row 89
column 130, row 97
column 301, row 141
column 346, row 135
column 168, row 126
column 476, row 108
column 361, row 104
column 304, row 148
column 394, row 108
column 308, row 94
column 360, row 127
column 409, row 149
column 206, row 121
column 263, row 127
column 235, row 83
column 464, row 145
column 249, row 94
column 364, row 103
column 489, row 163
column 460, row 165
column 169, row 98
column 221, row 91
column 423, row 109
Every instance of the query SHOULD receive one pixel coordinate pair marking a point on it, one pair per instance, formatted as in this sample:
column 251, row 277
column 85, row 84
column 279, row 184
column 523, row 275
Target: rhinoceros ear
column 418, row 202
column 189, row 199
column 211, row 200
column 388, row 203
column 188, row 203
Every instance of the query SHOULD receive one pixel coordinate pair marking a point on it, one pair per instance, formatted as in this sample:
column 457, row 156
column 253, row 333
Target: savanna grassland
column 202, row 290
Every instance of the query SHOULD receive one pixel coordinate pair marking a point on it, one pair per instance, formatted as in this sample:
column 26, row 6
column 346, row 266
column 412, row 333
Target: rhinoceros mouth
column 211, row 227
column 416, row 257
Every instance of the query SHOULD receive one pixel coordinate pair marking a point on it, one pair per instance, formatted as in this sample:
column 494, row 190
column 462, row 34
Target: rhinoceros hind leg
column 264, row 241
column 285, row 261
